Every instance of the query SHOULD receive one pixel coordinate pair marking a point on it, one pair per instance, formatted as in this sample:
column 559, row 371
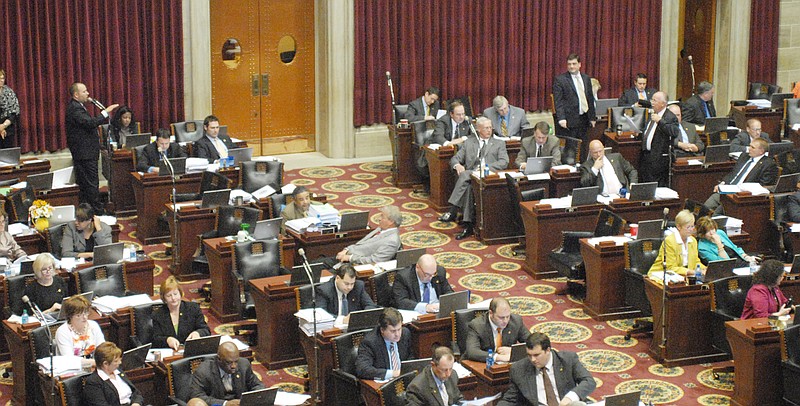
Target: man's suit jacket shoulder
column 406, row 286
column 423, row 391
column 204, row 148
column 416, row 110
column 373, row 359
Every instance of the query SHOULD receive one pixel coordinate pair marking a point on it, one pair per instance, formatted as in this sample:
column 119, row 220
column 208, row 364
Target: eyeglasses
column 49, row 269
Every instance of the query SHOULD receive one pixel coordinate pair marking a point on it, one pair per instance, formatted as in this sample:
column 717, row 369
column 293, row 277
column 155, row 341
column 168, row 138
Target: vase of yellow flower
column 40, row 212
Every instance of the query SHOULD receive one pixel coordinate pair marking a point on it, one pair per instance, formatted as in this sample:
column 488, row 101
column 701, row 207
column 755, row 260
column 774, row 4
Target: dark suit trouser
column 88, row 182
column 579, row 131
column 654, row 168
column 462, row 195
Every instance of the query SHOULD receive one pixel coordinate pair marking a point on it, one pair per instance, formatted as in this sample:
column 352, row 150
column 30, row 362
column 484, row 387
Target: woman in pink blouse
column 765, row 298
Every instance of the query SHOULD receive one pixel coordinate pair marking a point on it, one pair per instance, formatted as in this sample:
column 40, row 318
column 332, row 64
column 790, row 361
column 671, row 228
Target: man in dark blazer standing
column 541, row 144
column 425, row 107
column 639, row 95
column 212, row 145
column 344, row 288
column 752, row 167
column 436, row 384
column 497, row 330
column 84, row 144
column 152, row 153
column 224, row 377
column 700, row 105
column 659, row 132
column 464, row 162
column 384, row 348
column 595, row 171
column 574, row 102
column 444, row 133
column 560, row 375
column 416, row 283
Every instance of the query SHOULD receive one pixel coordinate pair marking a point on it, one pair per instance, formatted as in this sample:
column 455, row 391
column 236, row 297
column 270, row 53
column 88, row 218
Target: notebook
column 215, row 198
column 776, row 100
column 584, row 195
column 409, row 257
column 624, row 399
column 108, row 253
column 62, row 214
column 364, row 319
column 786, row 183
column 602, row 105
column 135, row 140
column 201, row 346
column 538, row 165
column 299, row 276
column 719, row 269
column 450, row 302
column 62, row 177
column 9, row 156
column 135, row 358
column 178, row 164
column 240, row 155
column 414, row 365
column 260, row 397
column 643, row 191
column 650, row 229
column 715, row 124
column 267, row 229
column 717, row 153
column 88, row 295
column 518, row 352
column 40, row 181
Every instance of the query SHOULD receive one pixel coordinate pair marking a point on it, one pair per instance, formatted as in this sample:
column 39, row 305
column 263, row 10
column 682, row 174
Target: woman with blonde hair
column 680, row 248
column 49, row 289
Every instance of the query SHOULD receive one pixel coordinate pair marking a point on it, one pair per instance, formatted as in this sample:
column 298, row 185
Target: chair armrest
column 724, row 315
column 456, row 349
column 174, row 401
column 790, row 365
column 345, row 376
column 134, row 341
column 185, row 197
column 284, row 271
column 209, row 234
column 577, row 234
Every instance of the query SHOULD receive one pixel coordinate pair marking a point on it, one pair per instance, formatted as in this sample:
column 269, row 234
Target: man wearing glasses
column 418, row 287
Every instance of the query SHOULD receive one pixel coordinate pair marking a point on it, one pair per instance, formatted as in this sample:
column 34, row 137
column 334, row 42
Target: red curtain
column 764, row 31
column 512, row 47
column 125, row 51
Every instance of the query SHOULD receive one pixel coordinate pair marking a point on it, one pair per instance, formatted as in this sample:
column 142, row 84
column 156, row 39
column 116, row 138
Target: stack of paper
column 663, row 193
column 325, row 320
column 265, row 191
column 482, row 401
column 18, row 229
column 61, row 364
column 570, row 167
column 760, row 103
column 672, row 277
column 483, row 305
column 110, row 304
column 326, row 213
column 291, row 399
column 288, row 189
column 300, row 225
column 239, row 344
column 558, row 203
column 755, row 188
column 246, row 197
column 196, row 164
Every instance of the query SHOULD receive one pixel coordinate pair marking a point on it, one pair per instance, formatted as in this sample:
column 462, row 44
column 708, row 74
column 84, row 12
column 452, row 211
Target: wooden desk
column 404, row 172
column 697, row 182
column 29, row 166
column 757, row 357
column 636, row 211
column 562, row 183
column 117, row 168
column 754, row 213
column 543, row 227
column 225, row 300
column 370, row 389
column 493, row 210
column 192, row 222
column 324, row 245
column 279, row 340
column 770, row 119
column 491, row 381
column 605, row 282
column 443, row 178
column 627, row 144
column 64, row 196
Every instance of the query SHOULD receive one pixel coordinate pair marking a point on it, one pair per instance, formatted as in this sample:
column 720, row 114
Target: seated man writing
column 496, row 330
column 419, row 286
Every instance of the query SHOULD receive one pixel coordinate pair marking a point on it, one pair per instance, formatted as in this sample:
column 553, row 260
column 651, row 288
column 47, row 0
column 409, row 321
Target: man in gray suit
column 741, row 142
column 541, row 144
column 507, row 120
column 547, row 377
column 687, row 143
column 451, row 129
column 497, row 330
column 378, row 246
column 436, row 384
column 425, row 107
column 610, row 172
column 465, row 161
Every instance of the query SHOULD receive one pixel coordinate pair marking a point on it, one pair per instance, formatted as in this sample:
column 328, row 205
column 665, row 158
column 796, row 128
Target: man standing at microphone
column 84, row 144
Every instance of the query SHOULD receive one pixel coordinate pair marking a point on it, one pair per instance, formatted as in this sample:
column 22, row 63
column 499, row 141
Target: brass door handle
column 255, row 86
column 264, row 84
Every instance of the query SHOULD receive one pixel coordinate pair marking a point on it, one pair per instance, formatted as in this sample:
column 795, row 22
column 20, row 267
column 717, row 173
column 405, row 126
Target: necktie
column 538, row 151
column 503, row 126
column 343, row 307
column 480, row 149
column 584, row 104
column 498, row 338
column 228, row 383
column 426, row 294
column 394, row 356
column 443, row 392
column 651, row 126
column 222, row 150
column 642, row 95
column 684, row 137
column 552, row 400
column 741, row 173
column 705, row 107
column 427, row 110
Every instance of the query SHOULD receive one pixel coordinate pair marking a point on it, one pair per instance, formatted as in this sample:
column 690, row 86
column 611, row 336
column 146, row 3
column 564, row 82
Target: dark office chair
column 254, row 260
column 276, row 203
column 187, row 131
column 380, row 288
column 103, row 280
column 777, row 227
column 629, row 118
column 393, row 393
column 209, row 181
column 758, row 90
column 516, row 196
column 639, row 257
column 567, row 259
column 422, row 133
column 791, row 116
column 461, row 319
column 257, row 174
column 14, row 290
column 570, row 150
column 400, row 112
column 179, row 378
column 52, row 239
column 70, row 390
column 790, row 364
column 727, row 302
column 228, row 222
column 138, row 156
column 346, row 387
column 141, row 325
column 788, row 161
column 21, row 201
column 40, row 343
column 466, row 101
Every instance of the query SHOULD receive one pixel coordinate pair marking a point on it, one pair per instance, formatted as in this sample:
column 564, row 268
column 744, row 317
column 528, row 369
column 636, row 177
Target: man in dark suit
column 212, row 145
column 687, row 143
column 558, row 375
column 701, row 105
column 418, row 287
column 541, row 144
column 424, row 108
column 383, row 349
column 751, row 167
column 451, row 128
column 639, row 95
column 574, row 102
column 610, row 172
column 659, row 132
column 741, row 142
column 344, row 294
column 224, row 378
column 152, row 153
column 793, row 208
column 84, row 145
column 497, row 330
column 507, row 120
column 436, row 384
column 464, row 162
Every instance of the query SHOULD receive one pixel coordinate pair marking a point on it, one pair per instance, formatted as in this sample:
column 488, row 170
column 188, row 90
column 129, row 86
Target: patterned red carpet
column 488, row 271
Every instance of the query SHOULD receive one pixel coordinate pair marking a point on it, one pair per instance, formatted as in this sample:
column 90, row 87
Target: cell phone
column 790, row 302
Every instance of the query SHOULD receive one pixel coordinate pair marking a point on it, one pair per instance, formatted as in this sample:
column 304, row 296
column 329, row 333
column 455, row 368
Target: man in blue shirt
column 383, row 349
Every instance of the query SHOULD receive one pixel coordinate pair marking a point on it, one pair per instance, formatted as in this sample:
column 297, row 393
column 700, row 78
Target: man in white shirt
column 212, row 145
column 753, row 167
column 610, row 172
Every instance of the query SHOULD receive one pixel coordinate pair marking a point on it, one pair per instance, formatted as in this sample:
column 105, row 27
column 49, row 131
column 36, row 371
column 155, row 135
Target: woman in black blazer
column 107, row 386
column 179, row 320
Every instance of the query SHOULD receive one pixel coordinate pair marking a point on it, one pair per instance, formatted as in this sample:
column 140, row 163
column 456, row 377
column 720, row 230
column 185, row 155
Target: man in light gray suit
column 610, row 172
column 465, row 161
column 541, row 144
column 687, row 143
column 547, row 377
column 378, row 246
column 507, row 120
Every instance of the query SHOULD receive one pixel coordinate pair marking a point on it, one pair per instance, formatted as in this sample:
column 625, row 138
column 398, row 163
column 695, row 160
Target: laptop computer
column 62, row 177
column 715, row 124
column 601, row 106
column 776, row 100
column 108, row 253
column 650, row 229
column 178, row 164
column 223, row 130
column 719, row 269
column 518, row 352
column 354, row 221
column 40, row 181
column 201, row 346
column 135, row 358
column 795, row 264
column 9, row 156
column 267, row 229
column 450, row 302
column 214, row 198
column 414, row 365
column 582, row 196
column 63, row 315
column 409, row 257
column 259, row 397
column 135, row 140
column 717, row 153
column 527, row 132
column 538, row 165
column 299, row 276
column 786, row 183
column 624, row 399
column 26, row 268
column 364, row 319
column 643, row 191
column 777, row 148
column 240, row 155
column 62, row 214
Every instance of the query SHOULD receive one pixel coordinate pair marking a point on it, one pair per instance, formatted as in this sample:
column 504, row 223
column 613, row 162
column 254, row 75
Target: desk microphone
column 472, row 127
column 691, row 64
column 34, row 308
column 664, row 221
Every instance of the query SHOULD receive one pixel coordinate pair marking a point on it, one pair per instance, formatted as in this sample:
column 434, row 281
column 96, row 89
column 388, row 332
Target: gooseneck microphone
column 97, row 103
column 664, row 221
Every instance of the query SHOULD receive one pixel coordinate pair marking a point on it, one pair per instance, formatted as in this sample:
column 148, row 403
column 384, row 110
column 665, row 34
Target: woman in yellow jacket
column 680, row 248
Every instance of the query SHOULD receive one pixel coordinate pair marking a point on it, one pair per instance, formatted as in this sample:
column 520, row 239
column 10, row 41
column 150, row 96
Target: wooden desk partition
column 30, row 166
column 627, row 144
column 279, row 342
column 443, row 178
column 404, row 172
column 754, row 213
column 493, row 210
column 636, row 211
column 117, row 168
column 605, row 282
column 370, row 389
column 489, row 382
column 192, row 222
column 757, row 359
column 770, row 119
column 697, row 182
column 318, row 245
column 561, row 184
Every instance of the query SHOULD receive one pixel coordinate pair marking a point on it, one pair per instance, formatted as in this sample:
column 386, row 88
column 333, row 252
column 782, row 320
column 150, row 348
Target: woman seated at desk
column 680, row 248
column 179, row 320
column 48, row 290
column 79, row 335
column 714, row 245
column 8, row 246
column 765, row 298
column 107, row 386
column 122, row 125
column 85, row 233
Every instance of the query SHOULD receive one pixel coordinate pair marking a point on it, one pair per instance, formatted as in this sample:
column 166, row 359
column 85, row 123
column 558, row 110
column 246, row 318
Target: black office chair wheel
column 628, row 337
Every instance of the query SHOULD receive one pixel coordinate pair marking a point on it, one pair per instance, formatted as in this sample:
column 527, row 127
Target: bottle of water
column 753, row 267
column 25, row 316
column 698, row 274
column 490, row 359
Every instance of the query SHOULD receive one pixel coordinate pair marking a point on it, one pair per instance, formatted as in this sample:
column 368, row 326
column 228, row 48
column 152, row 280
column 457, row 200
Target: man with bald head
column 660, row 131
column 611, row 172
column 687, row 143
column 419, row 286
column 497, row 330
column 222, row 379
column 741, row 142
